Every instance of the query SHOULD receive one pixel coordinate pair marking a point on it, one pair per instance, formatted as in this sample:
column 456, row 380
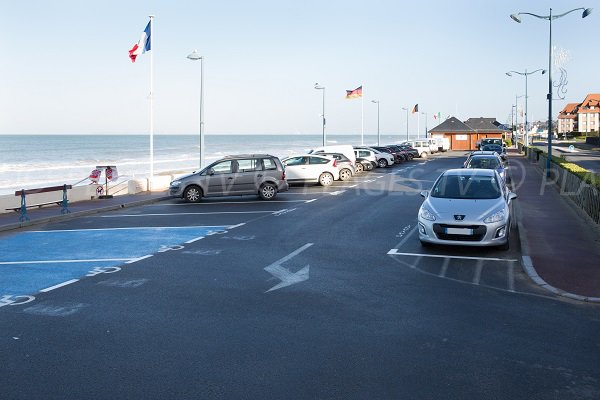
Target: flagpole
column 151, row 102
column 418, row 125
column 362, row 116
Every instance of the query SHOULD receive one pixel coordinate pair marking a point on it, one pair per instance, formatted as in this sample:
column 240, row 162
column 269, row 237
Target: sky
column 64, row 65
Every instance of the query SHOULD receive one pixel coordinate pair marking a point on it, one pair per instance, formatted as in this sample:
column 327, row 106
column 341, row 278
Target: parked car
column 383, row 159
column 408, row 148
column 408, row 155
column 501, row 150
column 346, row 167
column 367, row 155
column 311, row 168
column 260, row 174
column 485, row 141
column 467, row 207
column 345, row 149
column 362, row 164
column 482, row 153
column 487, row 161
column 422, row 146
column 398, row 156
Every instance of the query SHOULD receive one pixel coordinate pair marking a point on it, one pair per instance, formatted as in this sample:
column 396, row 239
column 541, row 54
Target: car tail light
column 334, row 162
column 283, row 175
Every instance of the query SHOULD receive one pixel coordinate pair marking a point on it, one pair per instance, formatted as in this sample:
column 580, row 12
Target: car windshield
column 483, row 162
column 492, row 147
column 466, row 187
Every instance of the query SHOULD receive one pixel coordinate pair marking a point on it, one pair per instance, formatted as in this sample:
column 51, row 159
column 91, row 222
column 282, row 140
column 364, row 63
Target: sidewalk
column 560, row 244
column 10, row 220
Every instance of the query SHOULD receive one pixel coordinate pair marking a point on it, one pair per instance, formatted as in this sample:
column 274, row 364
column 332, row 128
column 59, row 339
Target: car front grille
column 478, row 232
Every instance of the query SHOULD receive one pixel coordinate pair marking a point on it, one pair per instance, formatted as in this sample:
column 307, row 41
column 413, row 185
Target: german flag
column 415, row 108
column 354, row 94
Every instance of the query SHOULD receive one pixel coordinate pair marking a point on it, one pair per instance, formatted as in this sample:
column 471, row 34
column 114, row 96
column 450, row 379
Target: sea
column 33, row 161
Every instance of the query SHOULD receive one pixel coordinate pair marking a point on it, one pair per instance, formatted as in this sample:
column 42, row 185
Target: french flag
column 143, row 45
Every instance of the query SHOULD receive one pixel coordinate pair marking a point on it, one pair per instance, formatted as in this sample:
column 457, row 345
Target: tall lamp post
column 323, row 114
column 194, row 56
column 406, row 122
column 549, row 18
column 425, row 112
column 526, row 74
column 378, row 136
column 517, row 97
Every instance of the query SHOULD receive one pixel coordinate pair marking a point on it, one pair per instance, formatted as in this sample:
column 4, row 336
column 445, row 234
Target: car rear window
column 269, row 164
column 318, row 160
column 466, row 187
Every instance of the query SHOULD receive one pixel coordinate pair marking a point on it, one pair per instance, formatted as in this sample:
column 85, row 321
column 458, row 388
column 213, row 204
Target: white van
column 443, row 143
column 422, row 146
column 345, row 149
column 433, row 145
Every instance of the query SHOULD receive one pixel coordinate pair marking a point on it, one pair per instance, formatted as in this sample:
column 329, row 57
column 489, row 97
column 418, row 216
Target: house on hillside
column 466, row 135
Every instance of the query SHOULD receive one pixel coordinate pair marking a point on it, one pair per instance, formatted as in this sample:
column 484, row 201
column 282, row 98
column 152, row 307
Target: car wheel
column 369, row 166
column 326, row 179
column 359, row 168
column 345, row 174
column 382, row 162
column 193, row 194
column 424, row 154
column 267, row 191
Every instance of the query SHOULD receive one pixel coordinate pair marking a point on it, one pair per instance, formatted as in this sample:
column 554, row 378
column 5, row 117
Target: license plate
column 459, row 231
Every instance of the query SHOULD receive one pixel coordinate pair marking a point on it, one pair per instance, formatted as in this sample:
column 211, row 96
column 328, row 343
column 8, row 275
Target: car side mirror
column 424, row 193
column 211, row 172
column 512, row 196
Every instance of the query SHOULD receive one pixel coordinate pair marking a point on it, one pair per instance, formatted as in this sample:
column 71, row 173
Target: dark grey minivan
column 234, row 175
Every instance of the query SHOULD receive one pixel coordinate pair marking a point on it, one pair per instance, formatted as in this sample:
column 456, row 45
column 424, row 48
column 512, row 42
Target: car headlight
column 426, row 214
column 175, row 183
column 495, row 217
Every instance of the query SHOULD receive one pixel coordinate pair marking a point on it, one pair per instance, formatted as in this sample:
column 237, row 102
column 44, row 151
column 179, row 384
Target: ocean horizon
column 29, row 161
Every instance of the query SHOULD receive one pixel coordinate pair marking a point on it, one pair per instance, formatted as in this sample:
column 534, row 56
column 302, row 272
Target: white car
column 383, row 159
column 311, row 168
column 467, row 207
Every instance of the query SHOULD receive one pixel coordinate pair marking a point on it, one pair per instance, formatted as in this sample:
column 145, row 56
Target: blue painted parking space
column 33, row 261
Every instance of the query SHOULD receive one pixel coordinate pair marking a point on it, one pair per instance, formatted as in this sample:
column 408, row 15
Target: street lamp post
column 526, row 74
column 517, row 97
column 406, row 122
column 424, row 112
column 549, row 18
column 378, row 136
column 194, row 56
column 323, row 114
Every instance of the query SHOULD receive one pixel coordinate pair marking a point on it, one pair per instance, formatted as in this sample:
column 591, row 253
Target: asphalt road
column 321, row 294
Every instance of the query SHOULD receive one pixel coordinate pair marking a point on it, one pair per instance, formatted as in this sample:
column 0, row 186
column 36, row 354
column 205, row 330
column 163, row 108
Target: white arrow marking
column 336, row 193
column 287, row 277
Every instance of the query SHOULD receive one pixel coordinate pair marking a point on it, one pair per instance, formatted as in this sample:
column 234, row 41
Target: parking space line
column 395, row 252
column 64, row 261
column 444, row 269
column 186, row 213
column 511, row 277
column 478, row 269
column 231, row 202
column 59, row 285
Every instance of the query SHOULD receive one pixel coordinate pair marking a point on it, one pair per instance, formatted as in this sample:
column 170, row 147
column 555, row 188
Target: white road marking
column 442, row 273
column 478, row 269
column 186, row 213
column 287, row 277
column 311, row 200
column 59, row 285
column 337, row 192
column 194, row 240
column 228, row 202
column 63, row 261
column 130, row 228
column 139, row 259
column 395, row 252
column 511, row 277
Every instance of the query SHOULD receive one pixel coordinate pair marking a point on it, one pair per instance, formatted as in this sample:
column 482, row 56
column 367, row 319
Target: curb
column 77, row 214
column 529, row 269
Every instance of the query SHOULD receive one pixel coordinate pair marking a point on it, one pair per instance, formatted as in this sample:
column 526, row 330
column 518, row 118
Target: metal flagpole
column 418, row 125
column 151, row 102
column 362, row 116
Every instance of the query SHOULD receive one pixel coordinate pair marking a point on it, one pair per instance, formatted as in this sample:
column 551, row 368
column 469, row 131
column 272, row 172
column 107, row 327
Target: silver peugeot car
column 467, row 207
